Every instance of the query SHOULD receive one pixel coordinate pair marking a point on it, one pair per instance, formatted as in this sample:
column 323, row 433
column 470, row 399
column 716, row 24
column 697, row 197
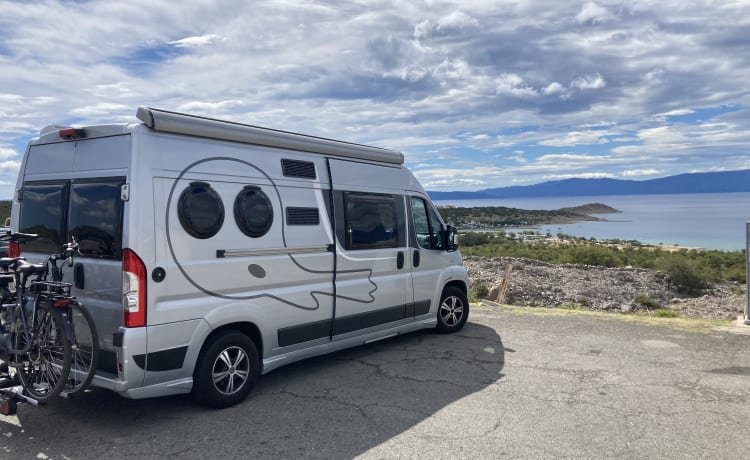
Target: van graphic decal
column 255, row 270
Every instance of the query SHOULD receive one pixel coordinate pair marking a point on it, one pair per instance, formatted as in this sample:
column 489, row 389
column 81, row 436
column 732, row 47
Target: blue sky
column 477, row 94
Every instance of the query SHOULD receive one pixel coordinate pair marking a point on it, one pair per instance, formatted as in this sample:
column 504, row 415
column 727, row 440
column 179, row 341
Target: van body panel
column 310, row 242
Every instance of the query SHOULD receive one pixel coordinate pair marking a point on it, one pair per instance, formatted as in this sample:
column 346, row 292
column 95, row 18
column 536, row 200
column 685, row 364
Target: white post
column 747, row 271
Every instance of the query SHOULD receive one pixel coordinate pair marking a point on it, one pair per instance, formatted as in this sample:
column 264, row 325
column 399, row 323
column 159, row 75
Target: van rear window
column 43, row 213
column 88, row 209
column 95, row 216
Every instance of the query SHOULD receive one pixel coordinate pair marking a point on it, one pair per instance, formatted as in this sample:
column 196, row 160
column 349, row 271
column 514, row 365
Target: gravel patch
column 536, row 283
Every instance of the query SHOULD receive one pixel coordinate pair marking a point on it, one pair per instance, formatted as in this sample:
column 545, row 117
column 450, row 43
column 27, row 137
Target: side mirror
column 450, row 238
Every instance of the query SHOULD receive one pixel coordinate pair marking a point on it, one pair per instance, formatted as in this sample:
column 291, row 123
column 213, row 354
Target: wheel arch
column 245, row 327
column 458, row 284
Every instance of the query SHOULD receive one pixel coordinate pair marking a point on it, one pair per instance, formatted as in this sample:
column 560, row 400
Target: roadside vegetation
column 691, row 270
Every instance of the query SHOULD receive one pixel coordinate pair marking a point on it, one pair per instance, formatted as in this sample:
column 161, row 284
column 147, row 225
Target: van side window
column 371, row 220
column 200, row 210
column 427, row 226
column 95, row 217
column 253, row 211
column 43, row 212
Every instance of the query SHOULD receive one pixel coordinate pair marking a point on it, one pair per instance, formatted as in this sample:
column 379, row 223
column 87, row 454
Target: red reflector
column 72, row 133
column 14, row 249
column 60, row 303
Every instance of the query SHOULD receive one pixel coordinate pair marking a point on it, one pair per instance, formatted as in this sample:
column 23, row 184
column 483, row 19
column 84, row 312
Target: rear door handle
column 400, row 260
column 416, row 258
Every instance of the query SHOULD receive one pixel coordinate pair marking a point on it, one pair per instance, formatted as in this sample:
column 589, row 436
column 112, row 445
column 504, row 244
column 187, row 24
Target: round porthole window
column 200, row 210
column 253, row 211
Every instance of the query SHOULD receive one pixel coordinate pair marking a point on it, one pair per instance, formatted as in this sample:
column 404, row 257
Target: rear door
column 81, row 200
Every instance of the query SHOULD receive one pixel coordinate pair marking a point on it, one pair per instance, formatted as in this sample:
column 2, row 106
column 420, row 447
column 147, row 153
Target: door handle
column 400, row 260
column 416, row 259
column 78, row 276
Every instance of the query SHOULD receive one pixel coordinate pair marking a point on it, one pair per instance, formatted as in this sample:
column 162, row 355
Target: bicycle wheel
column 44, row 370
column 85, row 348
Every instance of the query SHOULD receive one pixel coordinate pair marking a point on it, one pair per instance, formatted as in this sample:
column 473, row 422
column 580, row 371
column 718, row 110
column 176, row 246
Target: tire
column 84, row 346
column 453, row 310
column 226, row 370
column 44, row 369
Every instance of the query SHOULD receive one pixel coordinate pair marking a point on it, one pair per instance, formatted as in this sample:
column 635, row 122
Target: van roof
column 181, row 123
column 194, row 125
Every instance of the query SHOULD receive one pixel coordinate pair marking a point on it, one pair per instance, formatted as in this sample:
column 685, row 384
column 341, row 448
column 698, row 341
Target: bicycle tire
column 44, row 370
column 85, row 348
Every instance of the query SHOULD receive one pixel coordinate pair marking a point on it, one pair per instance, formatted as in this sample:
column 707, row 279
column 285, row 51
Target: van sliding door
column 372, row 281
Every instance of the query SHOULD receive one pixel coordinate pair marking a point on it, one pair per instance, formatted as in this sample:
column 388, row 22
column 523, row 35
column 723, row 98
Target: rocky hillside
column 536, row 283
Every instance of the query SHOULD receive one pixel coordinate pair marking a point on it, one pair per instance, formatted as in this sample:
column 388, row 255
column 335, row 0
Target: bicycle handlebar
column 17, row 236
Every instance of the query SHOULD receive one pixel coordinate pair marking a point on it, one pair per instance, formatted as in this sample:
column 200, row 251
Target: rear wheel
column 84, row 347
column 44, row 370
column 453, row 310
column 226, row 370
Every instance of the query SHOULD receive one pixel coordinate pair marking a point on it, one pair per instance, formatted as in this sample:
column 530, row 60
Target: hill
column 498, row 216
column 710, row 182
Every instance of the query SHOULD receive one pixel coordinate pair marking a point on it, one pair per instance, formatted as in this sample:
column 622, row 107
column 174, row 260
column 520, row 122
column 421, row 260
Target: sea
column 706, row 220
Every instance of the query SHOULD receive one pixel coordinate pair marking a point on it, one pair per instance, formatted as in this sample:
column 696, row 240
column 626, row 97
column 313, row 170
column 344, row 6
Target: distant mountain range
column 709, row 182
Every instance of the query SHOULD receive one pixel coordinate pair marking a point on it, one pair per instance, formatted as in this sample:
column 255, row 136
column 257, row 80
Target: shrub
column 593, row 254
column 685, row 274
column 479, row 292
column 645, row 301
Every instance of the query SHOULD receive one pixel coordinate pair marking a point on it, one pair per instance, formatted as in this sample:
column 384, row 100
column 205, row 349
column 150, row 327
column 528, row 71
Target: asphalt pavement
column 511, row 384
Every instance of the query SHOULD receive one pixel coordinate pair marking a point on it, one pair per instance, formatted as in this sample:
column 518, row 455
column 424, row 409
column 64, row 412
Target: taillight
column 14, row 249
column 133, row 289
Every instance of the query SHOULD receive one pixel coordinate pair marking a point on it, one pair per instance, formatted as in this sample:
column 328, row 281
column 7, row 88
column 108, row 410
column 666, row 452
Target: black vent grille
column 302, row 216
column 296, row 168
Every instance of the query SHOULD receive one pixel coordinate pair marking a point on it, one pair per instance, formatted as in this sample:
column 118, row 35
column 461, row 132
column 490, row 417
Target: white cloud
column 208, row 107
column 576, row 138
column 100, row 109
column 569, row 157
column 553, row 88
column 591, row 175
column 194, row 42
column 675, row 113
column 640, row 172
column 589, row 82
column 7, row 153
column 593, row 13
column 10, row 166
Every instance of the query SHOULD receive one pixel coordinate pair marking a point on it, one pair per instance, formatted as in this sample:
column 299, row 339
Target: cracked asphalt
column 508, row 385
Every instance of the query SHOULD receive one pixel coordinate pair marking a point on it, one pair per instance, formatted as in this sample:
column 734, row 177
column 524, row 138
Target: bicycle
column 57, row 355
column 81, row 327
column 33, row 340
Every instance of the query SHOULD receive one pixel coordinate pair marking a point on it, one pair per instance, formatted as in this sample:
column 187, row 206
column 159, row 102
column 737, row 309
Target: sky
column 476, row 94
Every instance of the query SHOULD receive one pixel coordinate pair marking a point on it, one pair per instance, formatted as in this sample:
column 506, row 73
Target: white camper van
column 213, row 252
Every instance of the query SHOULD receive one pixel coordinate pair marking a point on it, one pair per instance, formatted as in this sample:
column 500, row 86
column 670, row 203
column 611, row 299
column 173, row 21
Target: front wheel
column 44, row 370
column 453, row 310
column 226, row 370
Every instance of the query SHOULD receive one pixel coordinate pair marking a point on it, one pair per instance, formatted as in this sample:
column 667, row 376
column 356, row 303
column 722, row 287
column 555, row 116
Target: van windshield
column 89, row 210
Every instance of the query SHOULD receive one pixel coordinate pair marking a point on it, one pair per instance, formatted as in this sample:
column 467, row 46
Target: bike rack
column 10, row 395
